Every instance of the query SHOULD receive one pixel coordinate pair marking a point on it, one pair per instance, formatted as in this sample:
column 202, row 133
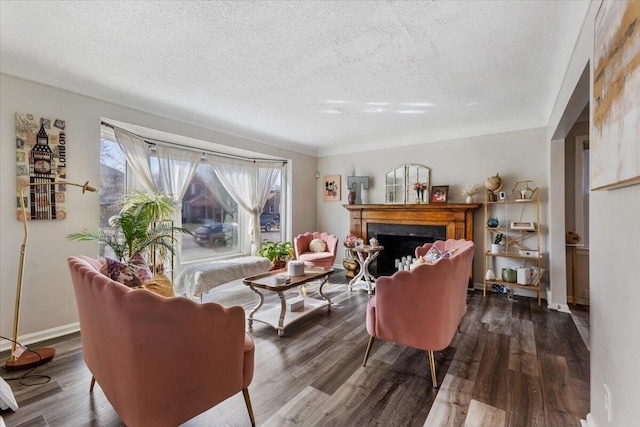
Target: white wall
column 48, row 304
column 515, row 155
column 614, row 269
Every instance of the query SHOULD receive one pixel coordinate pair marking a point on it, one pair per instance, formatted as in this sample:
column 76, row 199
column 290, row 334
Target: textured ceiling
column 318, row 77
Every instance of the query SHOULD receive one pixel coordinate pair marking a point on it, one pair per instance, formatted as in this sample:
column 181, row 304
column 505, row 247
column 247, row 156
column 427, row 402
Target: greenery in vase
column 143, row 225
column 276, row 252
column 499, row 239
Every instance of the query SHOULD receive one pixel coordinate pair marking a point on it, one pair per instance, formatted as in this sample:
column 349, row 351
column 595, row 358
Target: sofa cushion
column 317, row 245
column 159, row 284
column 133, row 274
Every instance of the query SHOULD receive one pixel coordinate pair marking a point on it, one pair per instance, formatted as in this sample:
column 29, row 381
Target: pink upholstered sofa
column 318, row 259
column 423, row 307
column 159, row 361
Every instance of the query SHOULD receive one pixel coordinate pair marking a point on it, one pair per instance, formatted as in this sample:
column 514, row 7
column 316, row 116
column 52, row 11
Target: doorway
column 577, row 210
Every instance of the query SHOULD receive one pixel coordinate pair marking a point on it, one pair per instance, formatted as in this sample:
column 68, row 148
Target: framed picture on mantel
column 439, row 194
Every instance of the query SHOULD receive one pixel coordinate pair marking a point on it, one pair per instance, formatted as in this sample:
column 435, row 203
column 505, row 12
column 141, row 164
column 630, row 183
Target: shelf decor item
column 493, row 184
column 524, row 190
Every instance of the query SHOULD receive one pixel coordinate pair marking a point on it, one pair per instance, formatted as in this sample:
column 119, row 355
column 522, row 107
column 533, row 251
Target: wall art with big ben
column 41, row 160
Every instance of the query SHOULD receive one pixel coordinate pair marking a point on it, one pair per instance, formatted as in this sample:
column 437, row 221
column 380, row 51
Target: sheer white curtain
column 136, row 151
column 249, row 183
column 176, row 167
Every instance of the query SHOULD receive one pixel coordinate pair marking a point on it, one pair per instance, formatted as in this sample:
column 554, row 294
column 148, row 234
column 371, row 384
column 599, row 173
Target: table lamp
column 30, row 358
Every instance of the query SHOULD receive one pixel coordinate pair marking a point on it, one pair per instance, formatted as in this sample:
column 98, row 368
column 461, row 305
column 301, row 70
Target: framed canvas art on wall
column 615, row 147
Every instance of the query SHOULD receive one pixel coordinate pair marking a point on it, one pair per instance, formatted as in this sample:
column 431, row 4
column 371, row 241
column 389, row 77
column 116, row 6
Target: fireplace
column 401, row 228
column 400, row 240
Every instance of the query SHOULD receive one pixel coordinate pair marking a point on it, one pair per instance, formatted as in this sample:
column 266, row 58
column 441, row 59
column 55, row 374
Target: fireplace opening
column 400, row 240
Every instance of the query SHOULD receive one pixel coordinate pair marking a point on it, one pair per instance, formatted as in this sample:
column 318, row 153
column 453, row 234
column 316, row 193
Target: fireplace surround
column 398, row 227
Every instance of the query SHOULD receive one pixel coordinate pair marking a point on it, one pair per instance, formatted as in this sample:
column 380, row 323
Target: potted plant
column 276, row 252
column 496, row 246
column 143, row 226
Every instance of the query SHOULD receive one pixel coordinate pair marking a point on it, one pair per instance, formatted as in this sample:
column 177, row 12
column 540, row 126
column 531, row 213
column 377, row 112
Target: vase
column 469, row 199
column 349, row 264
column 351, row 197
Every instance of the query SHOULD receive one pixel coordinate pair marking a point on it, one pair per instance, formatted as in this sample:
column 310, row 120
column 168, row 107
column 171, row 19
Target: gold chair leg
column 432, row 364
column 366, row 354
column 93, row 382
column 247, row 401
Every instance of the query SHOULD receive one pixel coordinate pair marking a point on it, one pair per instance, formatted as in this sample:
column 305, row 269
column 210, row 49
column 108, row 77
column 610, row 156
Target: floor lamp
column 31, row 358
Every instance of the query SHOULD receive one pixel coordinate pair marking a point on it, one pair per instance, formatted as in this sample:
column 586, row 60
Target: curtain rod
column 152, row 141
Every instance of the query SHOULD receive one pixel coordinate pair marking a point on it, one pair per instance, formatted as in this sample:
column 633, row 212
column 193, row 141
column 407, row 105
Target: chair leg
column 247, row 401
column 432, row 364
column 366, row 354
column 93, row 382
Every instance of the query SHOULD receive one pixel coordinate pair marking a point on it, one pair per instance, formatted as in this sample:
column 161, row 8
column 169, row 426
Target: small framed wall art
column 439, row 194
column 331, row 188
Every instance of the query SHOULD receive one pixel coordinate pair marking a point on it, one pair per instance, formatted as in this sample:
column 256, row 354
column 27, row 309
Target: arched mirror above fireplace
column 400, row 181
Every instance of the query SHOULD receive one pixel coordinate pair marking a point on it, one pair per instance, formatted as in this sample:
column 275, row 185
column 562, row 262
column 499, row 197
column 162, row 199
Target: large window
column 113, row 167
column 211, row 215
column 219, row 227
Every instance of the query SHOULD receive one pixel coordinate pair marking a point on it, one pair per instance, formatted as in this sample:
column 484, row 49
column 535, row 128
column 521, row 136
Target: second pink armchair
column 317, row 259
column 422, row 308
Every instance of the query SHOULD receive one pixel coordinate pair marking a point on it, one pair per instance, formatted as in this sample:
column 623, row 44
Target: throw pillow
column 159, row 284
column 317, row 245
column 432, row 255
column 132, row 274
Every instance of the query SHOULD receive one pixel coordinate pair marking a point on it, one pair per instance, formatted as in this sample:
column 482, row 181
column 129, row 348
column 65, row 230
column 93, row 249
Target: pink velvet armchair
column 422, row 308
column 318, row 259
column 159, row 361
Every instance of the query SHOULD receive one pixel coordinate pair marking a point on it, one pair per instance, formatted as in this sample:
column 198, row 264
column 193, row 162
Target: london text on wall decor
column 41, row 159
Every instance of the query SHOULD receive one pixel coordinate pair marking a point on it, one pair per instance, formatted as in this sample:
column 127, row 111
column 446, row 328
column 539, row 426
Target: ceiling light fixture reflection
column 377, row 103
column 471, row 104
column 410, row 111
column 418, row 104
column 374, row 110
column 335, row 101
column 332, row 111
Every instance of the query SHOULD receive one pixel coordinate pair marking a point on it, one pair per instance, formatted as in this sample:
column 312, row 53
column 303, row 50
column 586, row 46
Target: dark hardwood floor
column 512, row 364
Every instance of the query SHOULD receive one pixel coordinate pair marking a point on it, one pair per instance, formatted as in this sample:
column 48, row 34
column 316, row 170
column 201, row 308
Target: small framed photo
column 331, row 188
column 439, row 194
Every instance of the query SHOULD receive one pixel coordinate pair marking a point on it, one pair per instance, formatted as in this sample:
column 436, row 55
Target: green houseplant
column 498, row 241
column 276, row 252
column 143, row 225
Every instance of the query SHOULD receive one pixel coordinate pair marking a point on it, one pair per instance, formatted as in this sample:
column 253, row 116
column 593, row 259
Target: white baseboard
column 563, row 308
column 39, row 336
column 588, row 422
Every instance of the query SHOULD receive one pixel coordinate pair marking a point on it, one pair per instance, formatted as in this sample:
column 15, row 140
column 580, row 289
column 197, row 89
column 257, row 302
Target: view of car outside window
column 208, row 212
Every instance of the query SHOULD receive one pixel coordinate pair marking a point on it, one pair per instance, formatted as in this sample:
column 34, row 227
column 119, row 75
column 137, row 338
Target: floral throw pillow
column 432, row 255
column 133, row 274
column 317, row 245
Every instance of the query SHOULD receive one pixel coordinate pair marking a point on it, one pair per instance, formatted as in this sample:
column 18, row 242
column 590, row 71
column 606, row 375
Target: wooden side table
column 365, row 255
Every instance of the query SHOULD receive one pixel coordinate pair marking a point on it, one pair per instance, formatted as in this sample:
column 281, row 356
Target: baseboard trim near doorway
column 588, row 422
